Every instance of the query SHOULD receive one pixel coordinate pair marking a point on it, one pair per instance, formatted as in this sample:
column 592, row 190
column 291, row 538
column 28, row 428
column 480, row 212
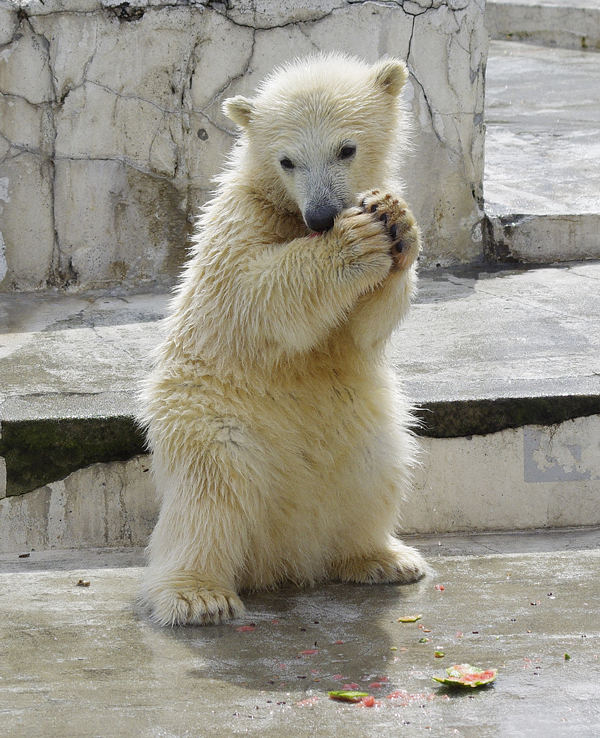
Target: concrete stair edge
column 566, row 25
column 40, row 450
column 541, row 239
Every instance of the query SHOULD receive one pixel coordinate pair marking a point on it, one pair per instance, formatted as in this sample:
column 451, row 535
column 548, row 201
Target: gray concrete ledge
column 39, row 451
column 570, row 24
column 431, row 546
column 540, row 239
column 459, row 418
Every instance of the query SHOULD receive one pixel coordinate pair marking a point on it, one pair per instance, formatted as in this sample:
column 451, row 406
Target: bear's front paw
column 184, row 599
column 399, row 223
column 364, row 244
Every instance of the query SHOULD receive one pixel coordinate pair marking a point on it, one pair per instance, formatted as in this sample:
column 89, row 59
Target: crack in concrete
column 254, row 26
column 121, row 95
column 121, row 160
column 56, row 277
column 410, row 40
column 116, row 344
column 21, row 149
column 306, row 36
column 428, row 106
column 219, row 93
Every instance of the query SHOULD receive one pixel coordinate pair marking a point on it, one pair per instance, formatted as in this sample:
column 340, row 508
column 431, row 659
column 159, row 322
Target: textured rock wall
column 111, row 129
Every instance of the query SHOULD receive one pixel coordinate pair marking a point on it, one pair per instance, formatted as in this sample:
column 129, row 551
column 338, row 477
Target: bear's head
column 319, row 131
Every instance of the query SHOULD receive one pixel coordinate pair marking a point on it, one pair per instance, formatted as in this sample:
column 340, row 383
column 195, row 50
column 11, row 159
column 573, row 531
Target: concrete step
column 570, row 24
column 504, row 365
column 83, row 661
column 542, row 170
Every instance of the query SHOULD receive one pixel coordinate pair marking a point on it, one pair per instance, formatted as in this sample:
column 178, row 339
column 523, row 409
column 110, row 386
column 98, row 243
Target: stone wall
column 111, row 128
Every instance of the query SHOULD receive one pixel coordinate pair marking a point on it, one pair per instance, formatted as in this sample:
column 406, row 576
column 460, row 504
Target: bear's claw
column 399, row 564
column 182, row 598
column 399, row 225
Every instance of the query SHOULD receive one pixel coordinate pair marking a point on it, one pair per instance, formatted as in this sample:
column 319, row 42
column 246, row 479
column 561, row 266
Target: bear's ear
column 390, row 75
column 239, row 109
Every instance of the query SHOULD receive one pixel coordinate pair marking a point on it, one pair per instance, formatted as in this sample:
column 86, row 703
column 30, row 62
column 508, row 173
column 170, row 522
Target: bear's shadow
column 322, row 637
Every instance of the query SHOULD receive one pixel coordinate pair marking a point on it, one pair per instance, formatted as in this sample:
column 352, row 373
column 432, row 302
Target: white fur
column 280, row 445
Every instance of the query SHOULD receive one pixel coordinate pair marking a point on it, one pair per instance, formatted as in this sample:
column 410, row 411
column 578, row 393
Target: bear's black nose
column 321, row 218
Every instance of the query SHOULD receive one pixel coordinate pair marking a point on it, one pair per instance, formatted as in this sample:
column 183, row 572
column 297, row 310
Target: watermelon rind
column 465, row 675
column 347, row 695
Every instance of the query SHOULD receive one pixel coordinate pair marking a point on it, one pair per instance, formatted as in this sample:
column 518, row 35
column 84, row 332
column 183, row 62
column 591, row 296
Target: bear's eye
column 347, row 152
column 287, row 164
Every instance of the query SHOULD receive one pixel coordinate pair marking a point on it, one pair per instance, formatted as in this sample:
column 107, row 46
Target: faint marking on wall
column 567, row 453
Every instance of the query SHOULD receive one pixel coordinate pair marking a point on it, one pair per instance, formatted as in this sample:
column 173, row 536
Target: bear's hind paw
column 185, row 599
column 400, row 564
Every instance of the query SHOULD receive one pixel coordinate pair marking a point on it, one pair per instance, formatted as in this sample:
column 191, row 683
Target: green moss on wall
column 38, row 452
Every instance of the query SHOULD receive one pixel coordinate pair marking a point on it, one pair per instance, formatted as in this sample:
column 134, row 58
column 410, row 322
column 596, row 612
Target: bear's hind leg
column 397, row 563
column 198, row 549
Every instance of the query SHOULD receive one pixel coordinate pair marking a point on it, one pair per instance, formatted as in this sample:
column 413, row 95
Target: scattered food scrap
column 439, row 654
column 407, row 698
column 409, row 618
column 82, row 583
column 245, row 628
column 440, row 587
column 465, row 675
column 308, row 701
column 368, row 701
column 347, row 695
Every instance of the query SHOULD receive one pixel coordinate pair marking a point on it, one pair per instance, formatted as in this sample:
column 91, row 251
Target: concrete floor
column 84, row 661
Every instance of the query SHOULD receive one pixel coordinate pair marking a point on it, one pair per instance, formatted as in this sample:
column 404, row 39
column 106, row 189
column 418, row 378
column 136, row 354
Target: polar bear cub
column 280, row 446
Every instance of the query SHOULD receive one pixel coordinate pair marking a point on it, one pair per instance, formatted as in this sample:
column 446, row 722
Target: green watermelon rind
column 346, row 695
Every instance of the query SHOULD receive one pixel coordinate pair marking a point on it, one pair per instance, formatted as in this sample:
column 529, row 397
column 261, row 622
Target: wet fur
column 281, row 447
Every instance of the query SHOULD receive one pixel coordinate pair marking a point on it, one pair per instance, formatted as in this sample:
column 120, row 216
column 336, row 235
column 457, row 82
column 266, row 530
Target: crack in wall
column 120, row 160
column 438, row 135
column 231, row 81
column 256, row 27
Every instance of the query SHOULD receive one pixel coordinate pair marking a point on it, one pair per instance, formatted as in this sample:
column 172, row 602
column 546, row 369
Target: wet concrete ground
column 84, row 661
